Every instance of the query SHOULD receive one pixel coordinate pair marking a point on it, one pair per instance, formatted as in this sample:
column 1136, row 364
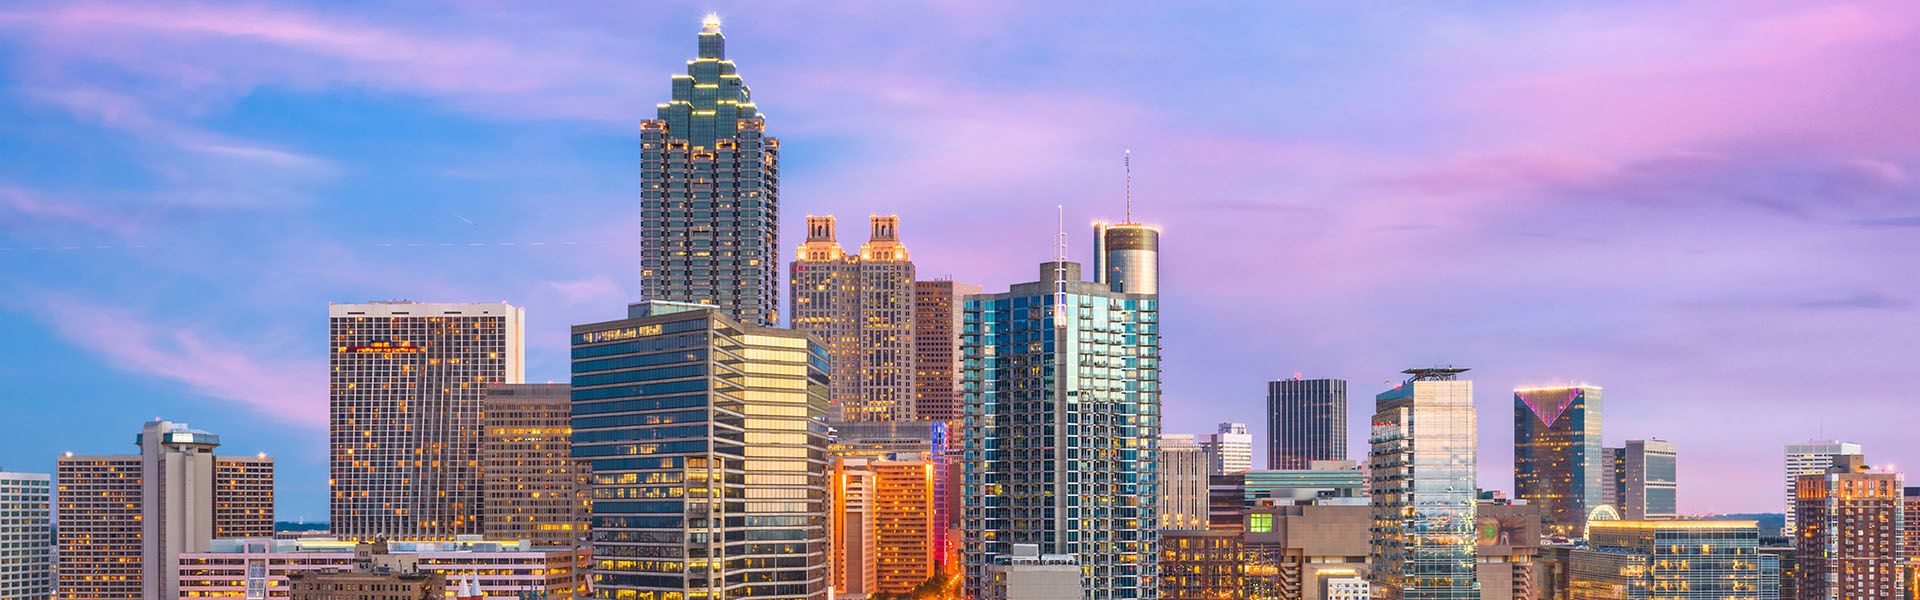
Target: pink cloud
column 23, row 208
column 292, row 391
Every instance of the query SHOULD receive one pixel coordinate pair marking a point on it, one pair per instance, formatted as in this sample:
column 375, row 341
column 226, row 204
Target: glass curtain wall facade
column 1669, row 560
column 1306, row 421
column 709, row 455
column 1558, row 459
column 710, row 178
column 1062, row 425
column 1423, row 488
column 1645, row 478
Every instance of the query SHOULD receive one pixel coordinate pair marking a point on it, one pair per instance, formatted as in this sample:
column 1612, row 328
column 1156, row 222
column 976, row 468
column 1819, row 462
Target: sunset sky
column 1707, row 208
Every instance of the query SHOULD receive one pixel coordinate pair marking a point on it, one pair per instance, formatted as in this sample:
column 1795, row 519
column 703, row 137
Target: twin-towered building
column 862, row 306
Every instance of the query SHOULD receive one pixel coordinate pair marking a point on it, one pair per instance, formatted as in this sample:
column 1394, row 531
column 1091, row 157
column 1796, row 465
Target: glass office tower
column 1669, row 560
column 1645, row 479
column 1062, row 392
column 708, row 448
column 1126, row 257
column 1558, row 460
column 710, row 193
column 1422, row 471
column 1306, row 421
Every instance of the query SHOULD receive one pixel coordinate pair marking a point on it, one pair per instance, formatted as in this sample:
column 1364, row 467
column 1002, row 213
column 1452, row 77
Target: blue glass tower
column 1422, row 458
column 1558, row 460
column 710, row 197
column 1062, row 392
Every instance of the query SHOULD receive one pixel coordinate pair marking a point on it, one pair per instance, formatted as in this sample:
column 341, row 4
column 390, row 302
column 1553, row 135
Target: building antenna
column 1060, row 267
column 1128, row 161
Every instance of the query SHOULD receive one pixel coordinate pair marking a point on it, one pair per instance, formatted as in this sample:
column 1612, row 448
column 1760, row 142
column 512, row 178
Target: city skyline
column 250, row 194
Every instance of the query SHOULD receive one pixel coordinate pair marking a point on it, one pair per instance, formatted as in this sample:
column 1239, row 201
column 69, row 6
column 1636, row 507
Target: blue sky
column 1707, row 209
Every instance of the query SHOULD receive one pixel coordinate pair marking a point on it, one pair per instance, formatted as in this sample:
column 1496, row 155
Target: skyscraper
column 861, row 305
column 123, row 519
column 710, row 198
column 936, row 348
column 1063, row 422
column 904, row 517
column 709, row 453
column 856, row 571
column 535, row 489
column 1811, row 458
column 1229, row 450
column 1422, row 471
column 406, row 395
column 26, row 536
column 1645, row 478
column 1850, row 533
column 1306, row 421
column 1183, row 483
column 1558, row 460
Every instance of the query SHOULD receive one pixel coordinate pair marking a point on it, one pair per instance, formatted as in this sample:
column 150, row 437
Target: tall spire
column 1127, row 160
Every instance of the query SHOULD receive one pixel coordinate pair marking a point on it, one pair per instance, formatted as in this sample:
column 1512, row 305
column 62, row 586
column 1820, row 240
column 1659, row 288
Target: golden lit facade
column 271, row 568
column 862, row 307
column 1668, row 560
column 99, row 526
column 536, row 490
column 1558, row 459
column 709, row 451
column 406, row 387
column 1203, row 565
column 1062, row 427
column 905, row 520
column 710, row 210
column 855, row 572
column 1850, row 536
column 1422, row 473
column 1183, row 483
column 122, row 519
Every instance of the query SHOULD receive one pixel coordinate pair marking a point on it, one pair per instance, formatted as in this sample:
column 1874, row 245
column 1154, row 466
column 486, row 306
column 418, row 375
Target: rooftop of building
column 334, row 545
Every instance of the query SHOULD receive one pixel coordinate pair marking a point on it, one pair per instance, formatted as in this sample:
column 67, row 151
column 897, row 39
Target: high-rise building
column 1558, row 460
column 710, row 193
column 904, row 522
column 928, row 441
column 1850, row 533
column 1508, row 537
column 1202, row 565
column 936, row 348
column 1309, row 551
column 1063, row 422
column 1230, row 450
column 1645, row 479
column 1910, row 536
column 535, row 489
column 861, row 305
column 709, row 449
column 26, row 536
column 1679, row 560
column 406, row 392
column 1306, row 421
column 1811, row 458
column 856, row 571
column 1422, row 471
column 123, row 519
column 1229, row 497
column 310, row 567
column 1126, row 256
column 1183, row 483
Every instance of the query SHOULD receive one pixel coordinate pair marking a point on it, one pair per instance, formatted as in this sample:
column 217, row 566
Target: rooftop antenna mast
column 1060, row 268
column 1127, row 160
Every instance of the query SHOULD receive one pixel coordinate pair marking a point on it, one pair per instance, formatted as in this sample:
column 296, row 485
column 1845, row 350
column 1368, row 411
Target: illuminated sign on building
column 627, row 333
column 383, row 347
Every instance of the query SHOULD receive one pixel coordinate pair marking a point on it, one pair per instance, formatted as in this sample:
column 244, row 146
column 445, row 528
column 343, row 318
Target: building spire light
column 710, row 23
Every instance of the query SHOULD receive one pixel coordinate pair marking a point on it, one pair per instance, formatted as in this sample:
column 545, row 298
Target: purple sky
column 1708, row 209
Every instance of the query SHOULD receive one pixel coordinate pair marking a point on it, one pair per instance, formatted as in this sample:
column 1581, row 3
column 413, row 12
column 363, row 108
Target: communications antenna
column 1127, row 160
column 1060, row 267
